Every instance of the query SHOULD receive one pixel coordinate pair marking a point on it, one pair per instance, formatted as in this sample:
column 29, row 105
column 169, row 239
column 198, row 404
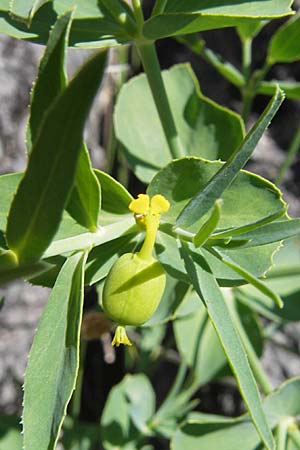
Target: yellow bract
column 159, row 204
column 140, row 205
column 143, row 205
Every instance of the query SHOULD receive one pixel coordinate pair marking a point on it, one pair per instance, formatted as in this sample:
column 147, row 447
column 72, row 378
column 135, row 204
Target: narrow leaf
column 225, row 68
column 205, row 199
column 207, row 229
column 290, row 88
column 54, row 359
column 84, row 201
column 255, row 282
column 24, row 10
column 272, row 232
column 209, row 292
column 40, row 199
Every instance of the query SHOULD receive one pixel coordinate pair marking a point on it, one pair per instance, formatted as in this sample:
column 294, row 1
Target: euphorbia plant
column 67, row 225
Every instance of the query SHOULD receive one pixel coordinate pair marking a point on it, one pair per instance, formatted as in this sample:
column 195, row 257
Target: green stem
column 152, row 224
column 294, row 434
column 247, row 57
column 121, row 16
column 138, row 12
column 121, row 56
column 151, row 66
column 291, row 154
column 250, row 90
column 254, row 361
column 159, row 7
column 281, row 435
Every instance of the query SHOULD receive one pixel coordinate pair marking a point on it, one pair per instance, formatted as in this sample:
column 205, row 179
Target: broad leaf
column 54, row 359
column 38, row 205
column 84, row 201
column 249, row 201
column 285, row 43
column 213, row 432
column 205, row 128
column 94, row 25
column 256, row 260
column 130, row 405
column 284, row 279
column 209, row 292
column 204, row 200
column 249, row 277
column 182, row 17
column 115, row 198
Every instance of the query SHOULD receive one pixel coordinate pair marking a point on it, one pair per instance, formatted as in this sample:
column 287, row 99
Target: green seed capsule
column 136, row 282
column 133, row 289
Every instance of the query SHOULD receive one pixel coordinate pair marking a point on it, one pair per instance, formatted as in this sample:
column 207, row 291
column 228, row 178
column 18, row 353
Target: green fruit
column 133, row 289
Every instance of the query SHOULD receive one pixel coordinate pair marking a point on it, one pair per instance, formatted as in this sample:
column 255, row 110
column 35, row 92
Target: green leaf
column 249, row 277
column 272, row 232
column 283, row 279
column 54, row 359
column 85, row 198
column 213, row 432
column 182, row 17
column 195, row 334
column 11, row 270
column 174, row 294
column 130, row 405
column 101, row 258
column 94, row 26
column 205, row 128
column 285, row 43
column 204, row 200
column 25, row 10
column 115, row 198
column 84, row 201
column 37, row 207
column 256, row 260
column 249, row 201
column 290, row 88
column 208, row 228
column 249, row 30
column 209, row 292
